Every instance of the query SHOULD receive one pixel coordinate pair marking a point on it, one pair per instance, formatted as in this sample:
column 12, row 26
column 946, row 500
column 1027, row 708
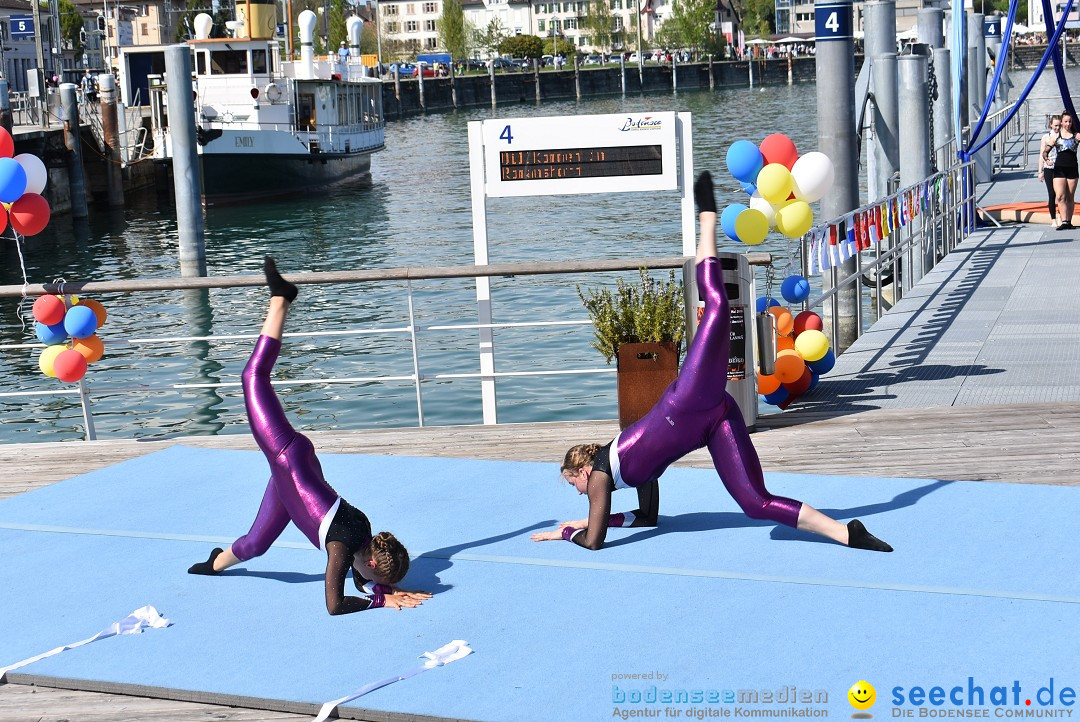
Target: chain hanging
column 932, row 92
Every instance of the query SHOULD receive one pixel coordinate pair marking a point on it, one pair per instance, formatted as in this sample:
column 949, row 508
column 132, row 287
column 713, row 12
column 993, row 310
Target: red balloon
column 70, row 366
column 30, row 214
column 795, row 388
column 49, row 310
column 808, row 321
column 778, row 148
column 3, row 216
column 7, row 144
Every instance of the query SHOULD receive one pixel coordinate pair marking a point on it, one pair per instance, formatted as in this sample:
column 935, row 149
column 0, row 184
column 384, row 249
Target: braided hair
column 391, row 558
column 578, row 456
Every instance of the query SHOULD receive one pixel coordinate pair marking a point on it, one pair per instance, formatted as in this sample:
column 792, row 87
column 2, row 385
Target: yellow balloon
column 751, row 226
column 48, row 357
column 812, row 345
column 794, row 218
column 774, row 183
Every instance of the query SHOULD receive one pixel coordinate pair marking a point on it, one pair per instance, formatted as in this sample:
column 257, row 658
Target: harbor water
column 413, row 211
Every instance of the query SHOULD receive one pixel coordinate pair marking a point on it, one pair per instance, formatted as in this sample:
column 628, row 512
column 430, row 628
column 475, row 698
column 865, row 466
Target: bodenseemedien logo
column 862, row 696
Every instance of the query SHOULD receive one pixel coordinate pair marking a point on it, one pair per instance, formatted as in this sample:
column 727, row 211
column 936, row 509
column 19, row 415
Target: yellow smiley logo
column 862, row 695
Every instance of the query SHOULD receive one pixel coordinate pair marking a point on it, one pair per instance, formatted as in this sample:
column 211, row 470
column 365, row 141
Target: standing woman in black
column 1047, row 156
column 1066, row 171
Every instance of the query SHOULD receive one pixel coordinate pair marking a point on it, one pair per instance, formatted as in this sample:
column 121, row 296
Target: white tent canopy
column 911, row 33
column 1021, row 29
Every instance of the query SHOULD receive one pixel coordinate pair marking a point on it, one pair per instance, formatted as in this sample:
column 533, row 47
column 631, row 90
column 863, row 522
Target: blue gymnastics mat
column 983, row 585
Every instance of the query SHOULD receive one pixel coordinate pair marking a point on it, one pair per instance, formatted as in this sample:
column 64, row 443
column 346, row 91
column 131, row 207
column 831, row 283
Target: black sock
column 206, row 567
column 859, row 538
column 278, row 285
column 703, row 193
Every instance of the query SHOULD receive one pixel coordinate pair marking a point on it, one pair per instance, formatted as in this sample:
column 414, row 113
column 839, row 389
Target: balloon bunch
column 22, row 179
column 802, row 349
column 60, row 318
column 782, row 185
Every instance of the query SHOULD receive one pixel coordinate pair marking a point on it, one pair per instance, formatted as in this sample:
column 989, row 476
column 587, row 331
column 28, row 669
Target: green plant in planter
column 647, row 312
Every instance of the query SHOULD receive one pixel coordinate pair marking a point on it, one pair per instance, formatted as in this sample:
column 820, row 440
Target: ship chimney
column 307, row 21
column 355, row 26
column 203, row 24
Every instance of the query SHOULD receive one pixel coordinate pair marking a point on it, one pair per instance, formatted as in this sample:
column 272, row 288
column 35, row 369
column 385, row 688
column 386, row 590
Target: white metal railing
column 909, row 252
column 85, row 392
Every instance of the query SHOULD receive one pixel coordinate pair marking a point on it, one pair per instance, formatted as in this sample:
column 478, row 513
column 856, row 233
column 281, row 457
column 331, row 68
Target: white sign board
column 580, row 154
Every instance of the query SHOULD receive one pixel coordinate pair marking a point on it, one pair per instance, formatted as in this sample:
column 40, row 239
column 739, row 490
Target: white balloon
column 36, row 175
column 760, row 204
column 812, row 176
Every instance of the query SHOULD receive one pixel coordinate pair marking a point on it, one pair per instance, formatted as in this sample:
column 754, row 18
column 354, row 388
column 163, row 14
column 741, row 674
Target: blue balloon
column 765, row 302
column 12, row 180
column 795, row 289
column 80, row 322
column 814, row 378
column 823, row 365
column 744, row 160
column 50, row 335
column 777, row 397
column 727, row 220
column 750, row 188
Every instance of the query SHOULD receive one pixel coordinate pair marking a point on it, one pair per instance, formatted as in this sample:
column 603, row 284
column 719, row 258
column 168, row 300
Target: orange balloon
column 789, row 366
column 785, row 322
column 91, row 347
column 767, row 383
column 97, row 308
column 784, row 342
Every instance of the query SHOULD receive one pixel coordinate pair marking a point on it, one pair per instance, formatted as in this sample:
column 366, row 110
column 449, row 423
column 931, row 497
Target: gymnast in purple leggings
column 694, row 411
column 297, row 491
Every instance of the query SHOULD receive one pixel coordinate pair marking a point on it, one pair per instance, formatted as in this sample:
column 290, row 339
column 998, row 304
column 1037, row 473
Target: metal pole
column 915, row 144
column 675, row 73
column 622, row 73
column 536, row 78
column 378, row 38
column 836, row 127
column 992, row 38
column 69, row 100
column 43, row 88
column 931, row 30
column 886, row 147
column 577, row 75
column 88, row 416
column 879, row 23
column 187, row 182
column 491, row 77
column 943, row 106
column 420, row 87
column 113, row 174
column 712, row 77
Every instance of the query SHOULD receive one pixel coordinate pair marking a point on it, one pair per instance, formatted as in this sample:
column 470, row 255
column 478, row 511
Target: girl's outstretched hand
column 547, row 536
column 579, row 524
column 400, row 601
column 406, row 594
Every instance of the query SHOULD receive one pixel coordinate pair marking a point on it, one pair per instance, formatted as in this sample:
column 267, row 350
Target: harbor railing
column 410, row 327
column 893, row 264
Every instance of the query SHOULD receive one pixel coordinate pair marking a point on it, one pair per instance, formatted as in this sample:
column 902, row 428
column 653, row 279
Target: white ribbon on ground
column 134, row 623
column 443, row 655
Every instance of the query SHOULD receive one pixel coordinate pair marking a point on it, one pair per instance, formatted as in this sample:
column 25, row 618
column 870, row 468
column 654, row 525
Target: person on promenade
column 1047, row 156
column 1066, row 171
column 694, row 411
column 297, row 491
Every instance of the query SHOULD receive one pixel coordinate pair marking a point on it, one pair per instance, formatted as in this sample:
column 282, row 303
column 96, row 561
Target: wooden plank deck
column 1036, row 443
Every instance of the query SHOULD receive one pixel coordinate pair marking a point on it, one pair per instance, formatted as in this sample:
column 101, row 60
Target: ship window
column 258, row 61
column 228, row 62
column 200, row 63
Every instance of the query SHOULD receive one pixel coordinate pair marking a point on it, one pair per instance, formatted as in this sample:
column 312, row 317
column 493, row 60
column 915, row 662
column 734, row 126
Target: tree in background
column 336, row 30
column 598, row 23
column 522, row 46
column 453, row 30
column 71, row 25
column 759, row 17
column 490, row 37
column 688, row 26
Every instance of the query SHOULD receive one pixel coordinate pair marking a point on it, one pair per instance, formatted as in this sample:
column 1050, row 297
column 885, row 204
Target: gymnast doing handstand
column 297, row 491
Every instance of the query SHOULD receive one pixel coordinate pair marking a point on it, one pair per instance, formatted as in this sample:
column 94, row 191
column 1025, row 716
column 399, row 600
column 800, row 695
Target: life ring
column 272, row 92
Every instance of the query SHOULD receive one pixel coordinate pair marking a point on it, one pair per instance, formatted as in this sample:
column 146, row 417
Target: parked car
column 405, row 70
column 593, row 60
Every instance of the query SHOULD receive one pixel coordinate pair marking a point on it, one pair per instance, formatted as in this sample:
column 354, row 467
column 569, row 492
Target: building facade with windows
column 414, row 24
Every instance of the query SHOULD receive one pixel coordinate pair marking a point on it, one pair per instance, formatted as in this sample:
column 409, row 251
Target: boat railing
column 91, row 394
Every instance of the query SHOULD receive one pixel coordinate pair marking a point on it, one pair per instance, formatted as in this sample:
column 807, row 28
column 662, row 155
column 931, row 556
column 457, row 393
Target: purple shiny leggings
column 696, row 411
column 297, row 491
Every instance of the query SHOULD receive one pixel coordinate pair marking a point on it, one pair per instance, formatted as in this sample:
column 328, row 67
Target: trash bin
column 739, row 284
